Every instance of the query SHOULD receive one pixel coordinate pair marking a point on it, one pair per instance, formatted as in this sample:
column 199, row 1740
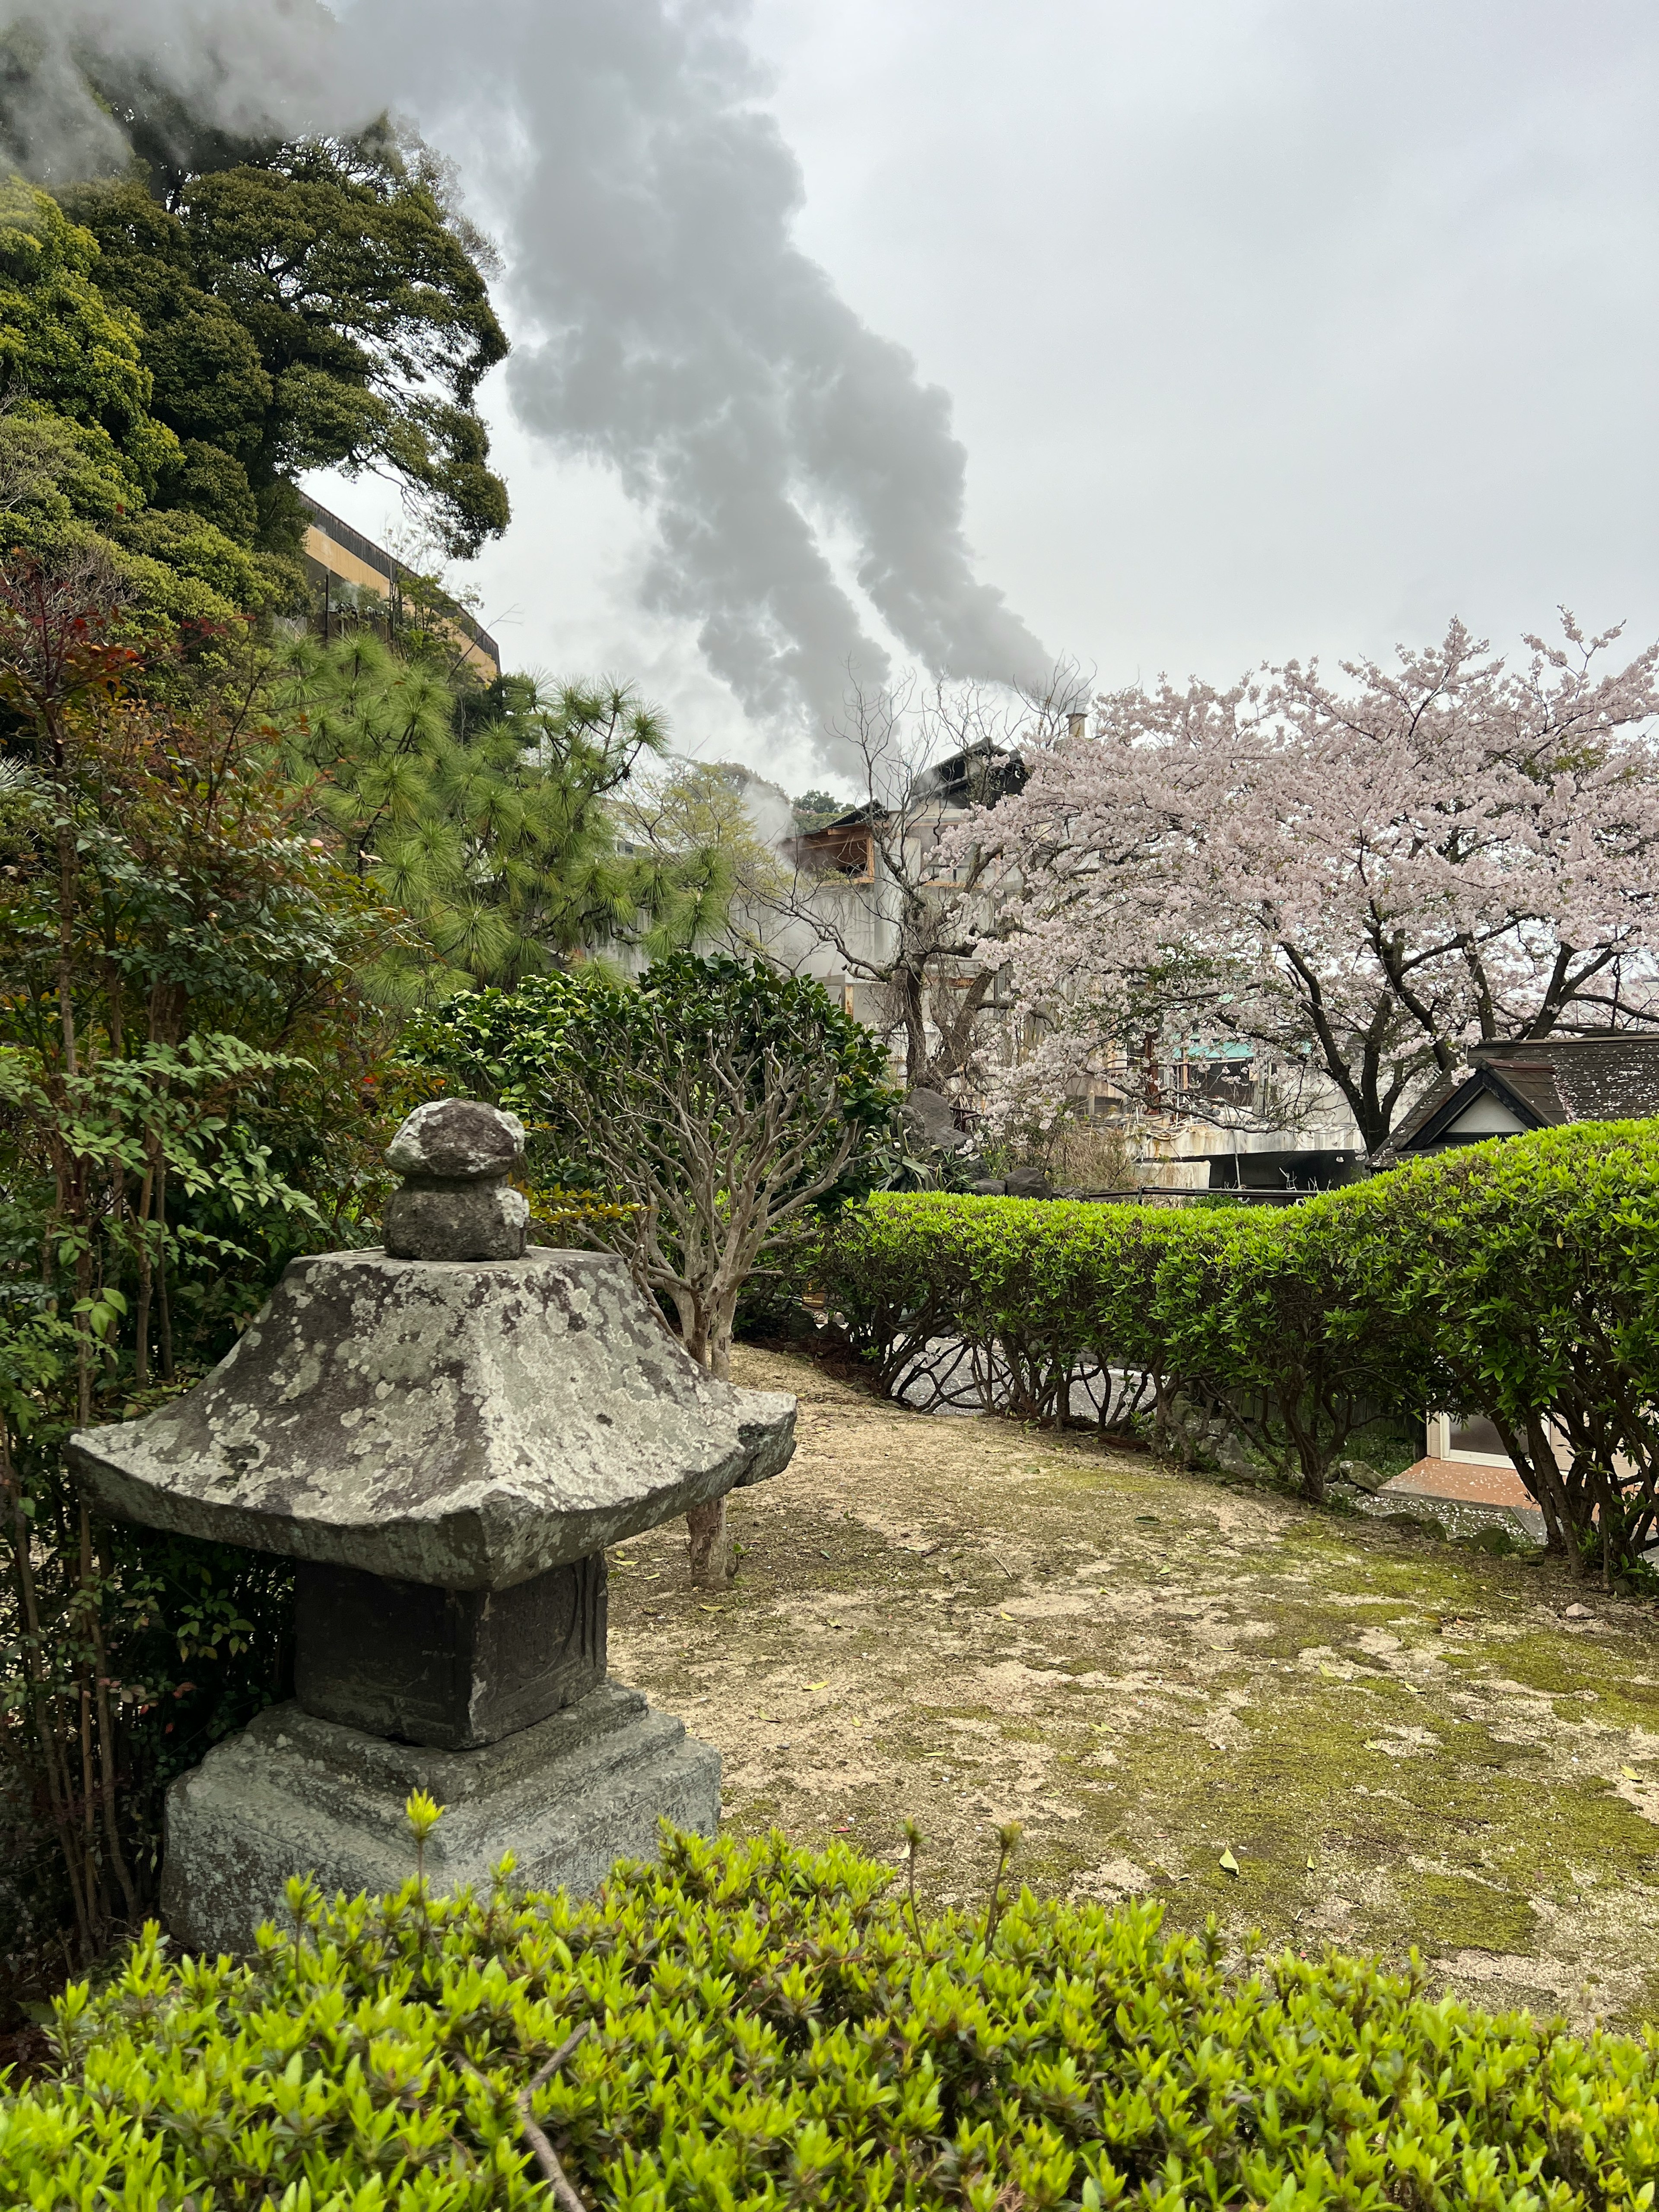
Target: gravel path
column 1398, row 1740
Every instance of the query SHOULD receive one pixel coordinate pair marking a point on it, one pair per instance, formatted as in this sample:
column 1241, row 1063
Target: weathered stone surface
column 1027, row 1182
column 292, row 1795
column 469, row 1425
column 452, row 1668
column 931, row 1116
column 456, row 1221
column 1362, row 1475
column 458, row 1140
column 930, row 1119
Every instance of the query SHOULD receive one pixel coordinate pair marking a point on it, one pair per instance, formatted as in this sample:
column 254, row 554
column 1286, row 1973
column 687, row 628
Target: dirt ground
column 1398, row 1741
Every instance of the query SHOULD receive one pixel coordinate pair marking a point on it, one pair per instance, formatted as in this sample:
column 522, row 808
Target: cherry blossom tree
column 904, row 918
column 1362, row 878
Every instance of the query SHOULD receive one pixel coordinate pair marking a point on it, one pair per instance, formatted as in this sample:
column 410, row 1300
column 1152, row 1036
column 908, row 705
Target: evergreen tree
column 316, row 305
column 487, row 816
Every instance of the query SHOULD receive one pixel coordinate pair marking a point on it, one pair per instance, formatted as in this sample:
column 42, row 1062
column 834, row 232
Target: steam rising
column 664, row 320
column 250, row 68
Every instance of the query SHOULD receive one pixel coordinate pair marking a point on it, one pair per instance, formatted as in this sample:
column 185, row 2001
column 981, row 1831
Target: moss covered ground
column 1398, row 1741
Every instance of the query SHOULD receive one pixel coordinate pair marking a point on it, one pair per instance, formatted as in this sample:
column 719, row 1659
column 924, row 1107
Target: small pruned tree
column 705, row 1108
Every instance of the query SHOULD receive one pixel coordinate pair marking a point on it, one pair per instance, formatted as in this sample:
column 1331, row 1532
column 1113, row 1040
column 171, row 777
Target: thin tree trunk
column 146, row 1285
column 710, row 1546
column 83, row 1339
column 713, row 1560
column 59, row 1796
column 162, row 1271
column 95, row 1897
column 118, row 1857
column 66, row 943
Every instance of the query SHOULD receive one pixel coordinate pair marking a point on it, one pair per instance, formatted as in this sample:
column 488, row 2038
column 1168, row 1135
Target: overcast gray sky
column 1268, row 326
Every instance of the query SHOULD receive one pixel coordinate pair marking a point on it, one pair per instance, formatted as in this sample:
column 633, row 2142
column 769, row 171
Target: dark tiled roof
column 977, row 773
column 1604, row 1079
column 1443, row 1088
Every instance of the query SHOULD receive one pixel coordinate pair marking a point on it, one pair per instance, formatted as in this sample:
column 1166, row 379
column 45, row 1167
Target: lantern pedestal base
column 295, row 1795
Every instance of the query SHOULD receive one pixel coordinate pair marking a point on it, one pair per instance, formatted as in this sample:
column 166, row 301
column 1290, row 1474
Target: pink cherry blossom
column 1361, row 878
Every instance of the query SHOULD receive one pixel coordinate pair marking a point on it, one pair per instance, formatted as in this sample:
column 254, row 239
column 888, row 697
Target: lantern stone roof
column 464, row 1424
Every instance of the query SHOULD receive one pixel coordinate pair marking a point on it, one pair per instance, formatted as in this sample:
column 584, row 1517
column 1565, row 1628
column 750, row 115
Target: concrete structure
column 444, row 1437
column 344, row 566
column 848, row 870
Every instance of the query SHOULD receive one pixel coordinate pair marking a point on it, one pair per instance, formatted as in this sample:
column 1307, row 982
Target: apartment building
column 350, row 575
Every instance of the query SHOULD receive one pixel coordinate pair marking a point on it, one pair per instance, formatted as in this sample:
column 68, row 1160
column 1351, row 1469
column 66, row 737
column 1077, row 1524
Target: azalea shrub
column 1530, row 1267
column 1255, row 1316
column 1517, row 1279
column 761, row 2024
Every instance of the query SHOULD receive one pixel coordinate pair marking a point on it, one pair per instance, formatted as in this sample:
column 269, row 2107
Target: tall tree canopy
column 316, row 305
column 86, row 465
column 232, row 313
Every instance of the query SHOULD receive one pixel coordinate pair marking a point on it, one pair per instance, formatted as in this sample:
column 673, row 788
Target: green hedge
column 1257, row 1311
column 773, row 2028
column 1518, row 1279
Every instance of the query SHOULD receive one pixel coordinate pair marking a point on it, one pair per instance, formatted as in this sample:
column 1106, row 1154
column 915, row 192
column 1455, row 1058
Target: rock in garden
column 1359, row 1475
column 457, row 1140
column 1027, row 1182
column 931, row 1118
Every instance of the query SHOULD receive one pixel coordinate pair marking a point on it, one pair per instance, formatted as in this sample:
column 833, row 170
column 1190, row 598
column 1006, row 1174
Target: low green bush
column 1253, row 1314
column 771, row 2027
column 1530, row 1269
column 1040, row 1287
column 1518, row 1279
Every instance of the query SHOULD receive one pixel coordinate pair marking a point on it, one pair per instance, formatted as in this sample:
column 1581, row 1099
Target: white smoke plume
column 664, row 320
column 250, row 68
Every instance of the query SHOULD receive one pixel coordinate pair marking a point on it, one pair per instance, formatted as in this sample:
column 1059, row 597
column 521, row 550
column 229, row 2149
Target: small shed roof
column 1542, row 1085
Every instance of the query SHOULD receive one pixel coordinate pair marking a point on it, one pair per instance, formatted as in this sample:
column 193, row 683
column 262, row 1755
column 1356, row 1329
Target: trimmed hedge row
column 1519, row 1280
column 767, row 2027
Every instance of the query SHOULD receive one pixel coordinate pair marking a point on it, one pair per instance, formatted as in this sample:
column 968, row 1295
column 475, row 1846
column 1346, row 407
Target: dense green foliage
column 180, row 342
column 1531, row 1269
column 312, row 305
column 713, row 1102
column 87, row 468
column 1254, row 1312
column 226, row 863
column 488, row 816
column 1517, row 1279
column 771, row 2027
column 189, row 1086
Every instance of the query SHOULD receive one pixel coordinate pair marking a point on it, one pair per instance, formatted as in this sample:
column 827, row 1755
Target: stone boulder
column 1029, row 1182
column 1359, row 1475
column 457, row 1140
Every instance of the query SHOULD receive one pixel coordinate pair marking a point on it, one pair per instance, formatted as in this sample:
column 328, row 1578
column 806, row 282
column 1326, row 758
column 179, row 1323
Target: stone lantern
column 444, row 1434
